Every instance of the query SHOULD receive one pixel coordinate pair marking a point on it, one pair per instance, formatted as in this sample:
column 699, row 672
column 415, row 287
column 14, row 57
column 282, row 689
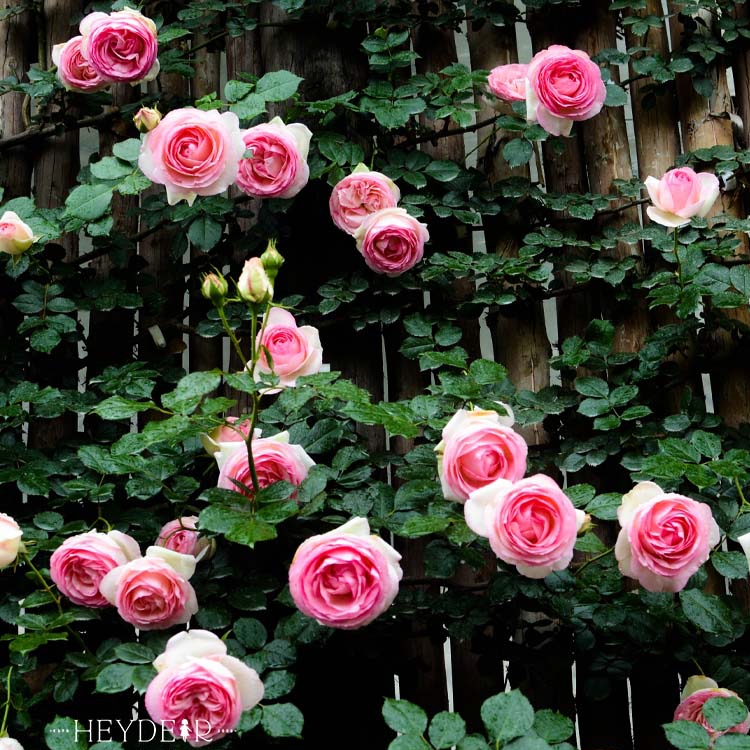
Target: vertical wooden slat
column 204, row 353
column 741, row 70
column 17, row 52
column 56, row 166
column 705, row 123
column 330, row 63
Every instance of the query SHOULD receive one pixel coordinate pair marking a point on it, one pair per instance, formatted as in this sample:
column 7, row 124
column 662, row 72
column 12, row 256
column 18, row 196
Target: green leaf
column 60, row 734
column 706, row 611
column 277, row 684
column 278, row 85
column 687, row 735
column 590, row 386
column 408, row 742
column 517, row 152
column 88, row 202
column 707, row 443
column 404, row 717
column 446, row 729
column 616, row 96
column 250, row 632
column 128, row 150
column 115, row 678
column 110, row 168
column 116, row 407
column 205, row 232
column 724, row 712
column 49, row 521
column 442, row 171
column 487, row 372
column 135, row 653
column 730, row 564
column 282, row 720
column 507, row 716
column 552, row 726
column 732, row 742
column 422, row 526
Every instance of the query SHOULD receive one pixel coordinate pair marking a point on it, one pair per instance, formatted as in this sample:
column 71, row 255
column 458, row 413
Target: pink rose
column 10, row 540
column 181, row 535
column 691, row 707
column 563, row 85
column 152, row 592
column 681, row 194
column 664, row 538
column 73, row 69
column 508, row 82
column 360, row 194
column 346, row 577
column 80, row 563
column 530, row 523
column 391, row 241
column 477, row 448
column 294, row 350
column 278, row 167
column 16, row 237
column 235, row 431
column 275, row 461
column 121, row 46
column 8, row 743
column 192, row 153
column 199, row 686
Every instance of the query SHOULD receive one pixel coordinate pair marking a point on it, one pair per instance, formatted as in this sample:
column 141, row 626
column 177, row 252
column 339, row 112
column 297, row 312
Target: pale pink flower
column 508, row 82
column 360, row 194
column 681, row 194
column 73, row 69
column 346, row 577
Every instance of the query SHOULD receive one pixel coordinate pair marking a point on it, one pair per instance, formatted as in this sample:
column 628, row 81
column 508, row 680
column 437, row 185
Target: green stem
column 677, row 257
column 594, row 559
column 249, row 441
column 235, row 342
column 56, row 599
column 6, row 712
column 745, row 504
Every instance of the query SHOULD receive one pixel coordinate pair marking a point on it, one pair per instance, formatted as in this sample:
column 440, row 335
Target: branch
column 37, row 132
column 435, row 135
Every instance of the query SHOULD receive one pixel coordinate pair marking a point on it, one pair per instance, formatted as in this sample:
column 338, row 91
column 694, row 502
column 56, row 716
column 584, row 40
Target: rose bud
column 146, row 119
column 254, row 284
column 16, row 237
column 272, row 260
column 214, row 288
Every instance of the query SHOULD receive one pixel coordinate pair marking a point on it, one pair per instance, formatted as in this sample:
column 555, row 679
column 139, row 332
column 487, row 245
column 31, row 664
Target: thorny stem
column 4, row 724
column 594, row 559
column 447, row 133
column 235, row 342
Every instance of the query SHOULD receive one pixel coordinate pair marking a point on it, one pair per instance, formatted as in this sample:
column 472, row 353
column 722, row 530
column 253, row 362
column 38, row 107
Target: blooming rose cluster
column 664, row 538
column 560, row 86
column 346, row 577
column 151, row 592
column 200, row 686
column 194, row 152
column 530, row 523
column 364, row 204
column 112, row 47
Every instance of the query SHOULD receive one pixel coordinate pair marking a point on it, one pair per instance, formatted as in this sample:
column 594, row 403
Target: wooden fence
column 421, row 666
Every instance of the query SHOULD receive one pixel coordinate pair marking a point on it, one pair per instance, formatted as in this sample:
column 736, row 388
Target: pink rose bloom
column 16, row 237
column 152, row 592
column 199, row 683
column 121, row 46
column 360, row 194
column 192, row 152
column 346, row 577
column 275, row 461
column 294, row 350
column 181, row 535
column 477, row 448
column 691, row 707
column 681, row 194
column 10, row 540
column 80, row 563
column 278, row 167
column 508, row 82
column 8, row 743
column 73, row 69
column 391, row 241
column 530, row 523
column 664, row 538
column 235, row 431
column 563, row 85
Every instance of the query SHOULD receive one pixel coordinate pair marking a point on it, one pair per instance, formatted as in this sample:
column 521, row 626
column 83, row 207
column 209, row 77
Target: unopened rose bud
column 272, row 260
column 254, row 284
column 215, row 288
column 15, row 236
column 146, row 119
column 587, row 525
